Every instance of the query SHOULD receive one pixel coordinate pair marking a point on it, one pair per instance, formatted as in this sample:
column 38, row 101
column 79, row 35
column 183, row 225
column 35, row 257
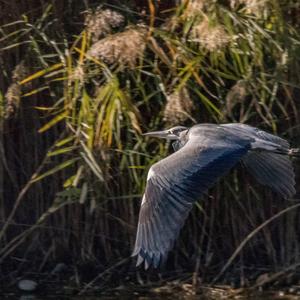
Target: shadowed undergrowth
column 78, row 86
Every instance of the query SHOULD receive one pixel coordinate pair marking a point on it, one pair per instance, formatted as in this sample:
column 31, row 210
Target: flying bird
column 203, row 154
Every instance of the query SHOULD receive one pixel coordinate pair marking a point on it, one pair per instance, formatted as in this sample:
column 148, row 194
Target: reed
column 74, row 163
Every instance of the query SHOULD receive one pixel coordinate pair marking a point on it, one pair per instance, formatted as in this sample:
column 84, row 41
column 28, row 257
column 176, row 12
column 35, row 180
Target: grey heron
column 203, row 154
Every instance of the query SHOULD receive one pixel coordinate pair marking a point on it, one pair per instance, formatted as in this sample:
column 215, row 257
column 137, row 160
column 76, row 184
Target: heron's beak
column 165, row 134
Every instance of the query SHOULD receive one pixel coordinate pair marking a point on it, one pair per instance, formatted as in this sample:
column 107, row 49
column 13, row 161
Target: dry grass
column 74, row 162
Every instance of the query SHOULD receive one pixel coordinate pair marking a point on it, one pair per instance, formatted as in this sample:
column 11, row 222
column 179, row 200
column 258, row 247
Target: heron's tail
column 294, row 152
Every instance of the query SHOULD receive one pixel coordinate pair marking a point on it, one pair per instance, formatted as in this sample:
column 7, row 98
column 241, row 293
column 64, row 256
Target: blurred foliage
column 80, row 84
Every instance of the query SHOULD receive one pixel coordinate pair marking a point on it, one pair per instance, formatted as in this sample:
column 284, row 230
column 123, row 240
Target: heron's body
column 203, row 154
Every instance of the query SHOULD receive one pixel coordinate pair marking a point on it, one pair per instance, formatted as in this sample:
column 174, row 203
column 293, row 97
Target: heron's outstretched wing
column 173, row 185
column 272, row 169
column 257, row 133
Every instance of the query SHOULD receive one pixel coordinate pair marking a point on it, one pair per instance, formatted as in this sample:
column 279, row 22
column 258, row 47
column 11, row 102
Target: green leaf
column 60, row 167
column 90, row 160
column 61, row 151
column 41, row 73
column 54, row 121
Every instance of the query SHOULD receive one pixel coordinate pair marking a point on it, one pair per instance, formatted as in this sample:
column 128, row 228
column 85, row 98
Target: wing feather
column 248, row 130
column 272, row 169
column 176, row 182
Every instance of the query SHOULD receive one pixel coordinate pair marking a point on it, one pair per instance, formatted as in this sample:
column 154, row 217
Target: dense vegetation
column 79, row 83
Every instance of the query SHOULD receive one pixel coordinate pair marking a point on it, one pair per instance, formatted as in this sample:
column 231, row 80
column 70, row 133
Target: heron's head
column 169, row 134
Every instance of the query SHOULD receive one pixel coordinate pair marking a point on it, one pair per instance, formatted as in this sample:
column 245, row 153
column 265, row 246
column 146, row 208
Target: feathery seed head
column 102, row 22
column 194, row 8
column 255, row 7
column 179, row 107
column 123, row 48
column 236, row 99
column 210, row 37
column 78, row 73
column 20, row 71
column 12, row 100
column 236, row 94
column 14, row 91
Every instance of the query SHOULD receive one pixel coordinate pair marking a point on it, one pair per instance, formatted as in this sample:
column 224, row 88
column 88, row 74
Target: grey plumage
column 203, row 154
column 273, row 170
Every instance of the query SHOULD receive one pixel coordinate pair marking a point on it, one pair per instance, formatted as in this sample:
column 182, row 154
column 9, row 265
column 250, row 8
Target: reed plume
column 102, row 22
column 179, row 107
column 14, row 91
column 209, row 37
column 123, row 48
